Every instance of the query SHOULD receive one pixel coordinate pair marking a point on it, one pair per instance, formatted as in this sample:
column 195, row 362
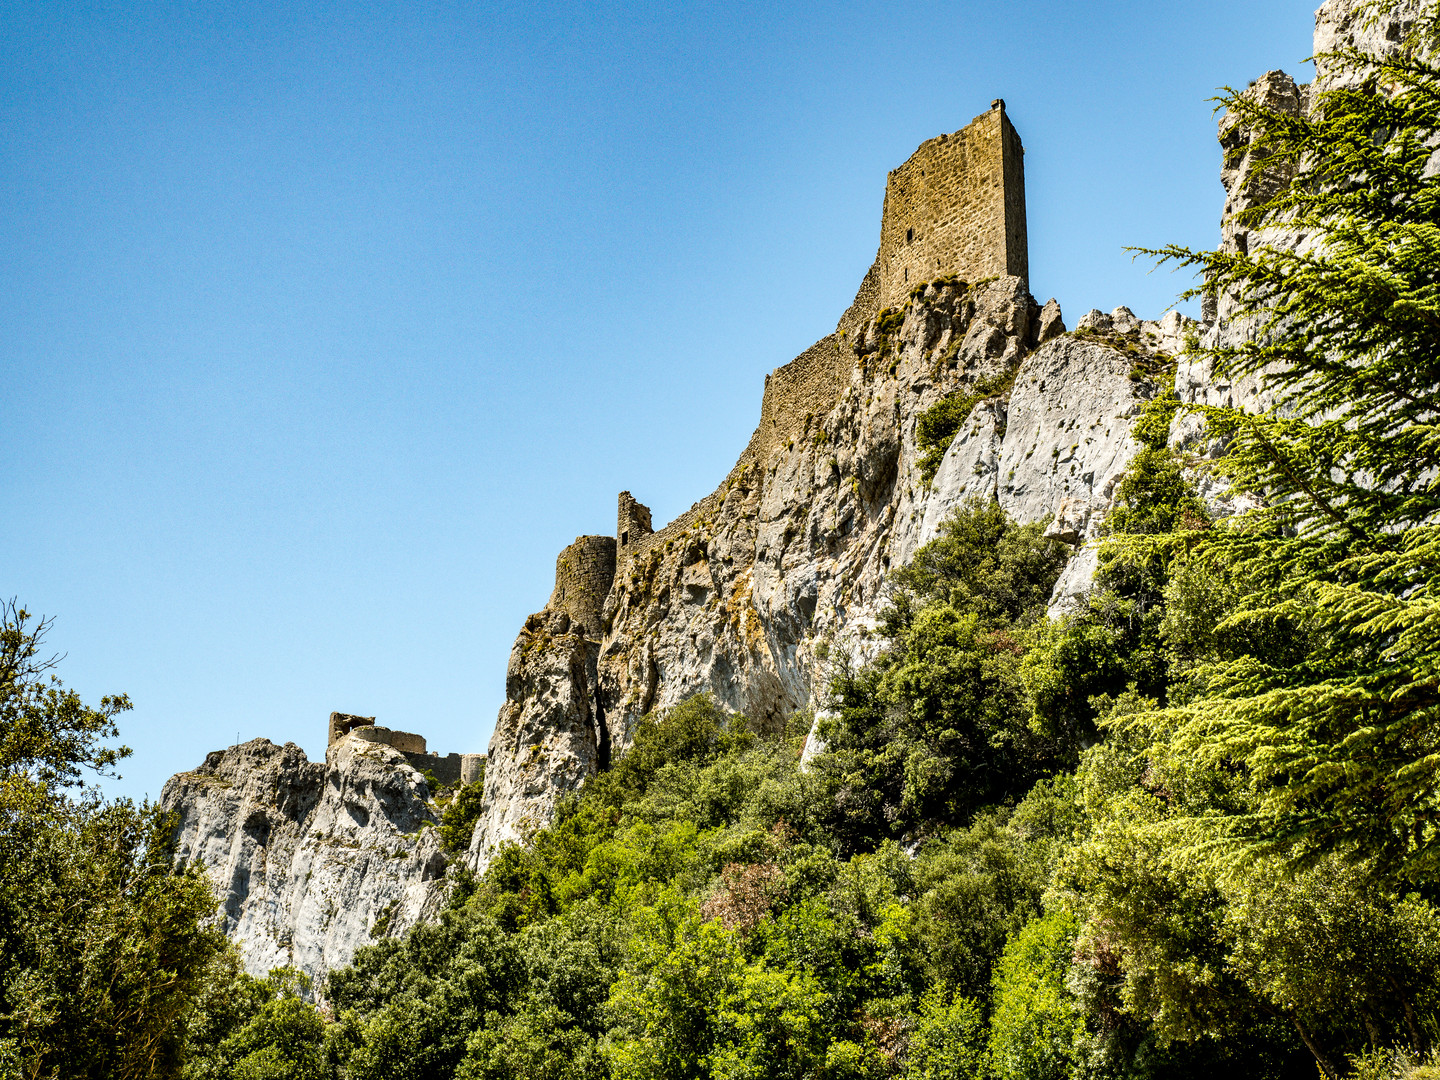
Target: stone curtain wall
column 450, row 769
column 798, row 395
column 583, row 574
column 404, row 741
column 957, row 206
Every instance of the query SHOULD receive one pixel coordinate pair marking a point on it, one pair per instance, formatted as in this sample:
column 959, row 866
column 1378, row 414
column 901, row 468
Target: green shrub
column 939, row 424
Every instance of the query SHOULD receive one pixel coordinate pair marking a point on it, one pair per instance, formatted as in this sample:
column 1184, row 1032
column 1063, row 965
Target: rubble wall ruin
column 449, row 769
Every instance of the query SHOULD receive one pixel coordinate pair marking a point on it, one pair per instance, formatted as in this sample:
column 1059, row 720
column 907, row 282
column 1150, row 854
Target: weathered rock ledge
column 309, row 860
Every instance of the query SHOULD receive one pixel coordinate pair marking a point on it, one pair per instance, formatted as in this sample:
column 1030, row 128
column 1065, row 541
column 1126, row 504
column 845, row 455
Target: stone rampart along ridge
column 957, row 206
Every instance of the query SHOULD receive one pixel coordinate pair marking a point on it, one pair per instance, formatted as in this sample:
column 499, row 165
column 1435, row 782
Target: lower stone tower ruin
column 583, row 574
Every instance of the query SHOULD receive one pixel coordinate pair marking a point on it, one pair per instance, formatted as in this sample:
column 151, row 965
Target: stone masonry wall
column 632, row 522
column 957, row 206
column 404, row 741
column 583, row 574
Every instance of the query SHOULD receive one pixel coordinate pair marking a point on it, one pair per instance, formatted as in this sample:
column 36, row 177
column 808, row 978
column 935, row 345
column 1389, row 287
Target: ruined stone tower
column 957, row 206
column 583, row 574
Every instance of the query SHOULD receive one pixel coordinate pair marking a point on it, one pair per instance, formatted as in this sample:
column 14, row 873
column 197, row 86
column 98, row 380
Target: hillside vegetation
column 1189, row 831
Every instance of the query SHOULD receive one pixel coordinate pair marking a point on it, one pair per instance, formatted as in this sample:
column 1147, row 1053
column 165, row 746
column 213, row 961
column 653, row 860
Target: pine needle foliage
column 1340, row 287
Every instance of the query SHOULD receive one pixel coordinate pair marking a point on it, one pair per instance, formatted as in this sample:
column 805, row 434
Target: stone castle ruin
column 450, row 769
column 714, row 600
column 954, row 209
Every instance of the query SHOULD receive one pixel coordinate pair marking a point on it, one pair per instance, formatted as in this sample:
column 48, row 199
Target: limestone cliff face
column 748, row 593
column 309, row 860
column 753, row 592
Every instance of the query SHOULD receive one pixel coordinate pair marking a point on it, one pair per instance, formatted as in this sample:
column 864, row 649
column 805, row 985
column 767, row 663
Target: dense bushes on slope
column 708, row 909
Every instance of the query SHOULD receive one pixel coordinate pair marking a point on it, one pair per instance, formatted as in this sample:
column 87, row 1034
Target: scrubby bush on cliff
column 939, row 726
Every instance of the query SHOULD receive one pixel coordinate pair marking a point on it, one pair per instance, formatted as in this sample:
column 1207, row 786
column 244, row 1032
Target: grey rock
column 1068, row 429
column 1051, row 325
column 309, row 861
column 1075, row 583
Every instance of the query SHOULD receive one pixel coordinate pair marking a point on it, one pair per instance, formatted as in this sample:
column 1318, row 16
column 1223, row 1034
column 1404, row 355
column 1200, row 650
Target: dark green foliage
column 939, row 424
column 696, row 731
column 1154, row 498
column 102, row 954
column 457, row 820
column 984, row 564
column 976, row 886
column 939, row 726
column 1340, row 741
column 256, row 1029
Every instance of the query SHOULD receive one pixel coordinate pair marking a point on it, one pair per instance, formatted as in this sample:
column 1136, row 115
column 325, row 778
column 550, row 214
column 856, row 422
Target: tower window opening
column 909, row 235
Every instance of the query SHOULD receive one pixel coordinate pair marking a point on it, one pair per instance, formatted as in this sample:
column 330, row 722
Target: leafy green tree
column 1035, row 1026
column 939, row 726
column 283, row 1038
column 949, row 1038
column 978, row 885
column 691, row 1004
column 102, row 950
column 1341, row 744
column 457, row 820
column 537, row 1042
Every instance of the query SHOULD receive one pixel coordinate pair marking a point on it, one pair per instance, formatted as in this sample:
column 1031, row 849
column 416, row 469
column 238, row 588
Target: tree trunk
column 1331, row 1073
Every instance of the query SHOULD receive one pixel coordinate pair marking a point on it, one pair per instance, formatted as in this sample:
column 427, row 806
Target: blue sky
column 323, row 328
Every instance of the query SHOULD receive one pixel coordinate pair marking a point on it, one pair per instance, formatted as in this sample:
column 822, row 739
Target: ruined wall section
column 797, row 396
column 632, row 523
column 583, row 575
column 957, row 206
column 864, row 307
column 448, row 769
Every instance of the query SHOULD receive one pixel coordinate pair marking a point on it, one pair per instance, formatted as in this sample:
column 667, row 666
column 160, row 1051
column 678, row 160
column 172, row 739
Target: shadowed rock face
column 306, row 858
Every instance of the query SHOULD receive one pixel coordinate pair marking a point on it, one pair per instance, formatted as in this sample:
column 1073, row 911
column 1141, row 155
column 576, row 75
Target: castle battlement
column 449, row 769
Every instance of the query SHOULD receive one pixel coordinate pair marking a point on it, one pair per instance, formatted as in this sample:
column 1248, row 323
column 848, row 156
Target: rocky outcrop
column 753, row 593
column 1250, row 179
column 309, row 861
